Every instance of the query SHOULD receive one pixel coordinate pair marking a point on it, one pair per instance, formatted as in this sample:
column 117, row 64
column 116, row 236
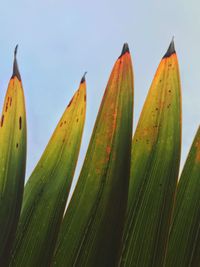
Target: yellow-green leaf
column 154, row 169
column 47, row 189
column 92, row 228
column 12, row 161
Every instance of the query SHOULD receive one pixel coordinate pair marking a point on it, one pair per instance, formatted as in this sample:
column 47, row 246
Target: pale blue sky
column 59, row 40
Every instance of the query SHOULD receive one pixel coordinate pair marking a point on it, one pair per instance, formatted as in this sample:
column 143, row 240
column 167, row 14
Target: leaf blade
column 47, row 189
column 86, row 237
column 183, row 249
column 154, row 168
column 12, row 161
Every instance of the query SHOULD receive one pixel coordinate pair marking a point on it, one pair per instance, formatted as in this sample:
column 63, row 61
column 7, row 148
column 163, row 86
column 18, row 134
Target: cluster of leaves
column 128, row 207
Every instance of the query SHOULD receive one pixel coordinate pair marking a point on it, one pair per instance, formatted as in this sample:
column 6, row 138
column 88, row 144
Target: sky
column 59, row 40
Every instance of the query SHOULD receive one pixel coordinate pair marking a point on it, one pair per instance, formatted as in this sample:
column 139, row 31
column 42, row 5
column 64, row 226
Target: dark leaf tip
column 170, row 50
column 125, row 50
column 83, row 78
column 15, row 65
column 15, row 52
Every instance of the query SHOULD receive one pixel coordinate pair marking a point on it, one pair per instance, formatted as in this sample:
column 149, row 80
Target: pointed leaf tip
column 83, row 78
column 170, row 50
column 125, row 49
column 15, row 65
column 15, row 52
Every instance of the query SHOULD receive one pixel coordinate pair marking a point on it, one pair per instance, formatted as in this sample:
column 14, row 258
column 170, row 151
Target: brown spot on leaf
column 7, row 102
column 61, row 124
column 17, row 145
column 70, row 102
column 108, row 149
column 2, row 120
column 20, row 122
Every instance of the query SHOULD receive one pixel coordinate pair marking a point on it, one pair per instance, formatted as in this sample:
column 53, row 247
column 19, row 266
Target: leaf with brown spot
column 12, row 163
column 154, row 169
column 92, row 228
column 48, row 187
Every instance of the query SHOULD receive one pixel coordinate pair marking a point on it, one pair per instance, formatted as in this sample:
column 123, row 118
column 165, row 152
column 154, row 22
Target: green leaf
column 184, row 242
column 12, row 161
column 154, row 169
column 92, row 228
column 47, row 189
